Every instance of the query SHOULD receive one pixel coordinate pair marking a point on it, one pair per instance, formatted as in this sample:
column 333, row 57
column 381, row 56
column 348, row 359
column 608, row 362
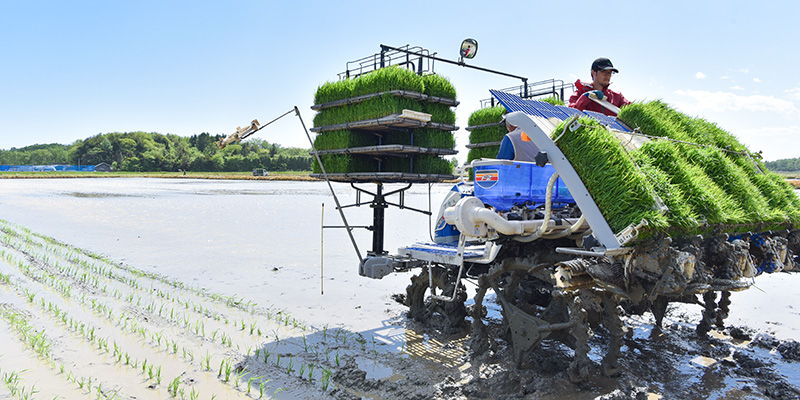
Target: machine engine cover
column 376, row 267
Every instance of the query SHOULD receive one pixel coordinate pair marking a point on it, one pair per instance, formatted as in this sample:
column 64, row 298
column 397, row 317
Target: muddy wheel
column 453, row 313
column 531, row 312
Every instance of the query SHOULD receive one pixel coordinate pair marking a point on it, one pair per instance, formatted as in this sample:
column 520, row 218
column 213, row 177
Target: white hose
column 471, row 217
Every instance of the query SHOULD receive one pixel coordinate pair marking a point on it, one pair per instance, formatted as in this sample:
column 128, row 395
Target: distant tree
column 143, row 151
column 784, row 165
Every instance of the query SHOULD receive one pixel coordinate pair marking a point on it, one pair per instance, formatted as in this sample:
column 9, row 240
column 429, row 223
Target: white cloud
column 775, row 142
column 756, row 80
column 793, row 93
column 724, row 77
column 737, row 87
column 700, row 75
column 744, row 70
column 701, row 100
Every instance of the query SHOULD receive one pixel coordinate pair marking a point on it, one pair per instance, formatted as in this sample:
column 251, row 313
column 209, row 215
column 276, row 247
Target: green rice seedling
column 172, row 388
column 438, row 86
column 622, row 193
column 421, row 164
column 194, row 395
column 227, row 371
column 326, row 379
column 207, row 361
column 487, row 134
column 485, row 116
column 441, row 113
column 482, row 152
column 332, row 91
column 374, row 108
column 250, row 382
column 310, row 372
column 387, row 79
column 336, row 163
column 278, row 390
column 261, row 385
column 552, row 100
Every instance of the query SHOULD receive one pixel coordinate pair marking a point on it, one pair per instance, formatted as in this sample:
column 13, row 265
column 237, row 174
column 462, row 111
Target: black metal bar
column 379, row 207
column 383, row 46
column 402, row 207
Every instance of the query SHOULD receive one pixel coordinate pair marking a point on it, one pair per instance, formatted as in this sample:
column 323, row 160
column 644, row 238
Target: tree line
column 152, row 152
column 784, row 165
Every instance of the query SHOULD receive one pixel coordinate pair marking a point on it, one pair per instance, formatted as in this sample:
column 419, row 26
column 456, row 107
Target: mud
column 353, row 343
column 675, row 363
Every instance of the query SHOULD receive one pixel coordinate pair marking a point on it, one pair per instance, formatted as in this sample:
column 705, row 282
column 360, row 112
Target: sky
column 75, row 69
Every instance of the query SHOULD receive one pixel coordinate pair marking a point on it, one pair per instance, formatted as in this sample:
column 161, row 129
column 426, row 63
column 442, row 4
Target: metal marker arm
column 325, row 175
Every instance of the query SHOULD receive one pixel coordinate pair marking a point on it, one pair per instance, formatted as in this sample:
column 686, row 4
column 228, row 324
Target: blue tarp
column 39, row 168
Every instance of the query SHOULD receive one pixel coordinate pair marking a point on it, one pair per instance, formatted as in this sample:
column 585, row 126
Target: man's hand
column 595, row 94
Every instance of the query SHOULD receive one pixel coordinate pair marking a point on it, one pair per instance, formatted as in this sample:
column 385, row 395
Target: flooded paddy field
column 161, row 288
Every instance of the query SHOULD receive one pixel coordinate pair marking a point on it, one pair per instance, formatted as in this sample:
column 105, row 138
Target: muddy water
column 257, row 240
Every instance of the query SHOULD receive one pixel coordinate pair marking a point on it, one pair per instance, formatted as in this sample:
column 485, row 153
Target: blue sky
column 75, row 69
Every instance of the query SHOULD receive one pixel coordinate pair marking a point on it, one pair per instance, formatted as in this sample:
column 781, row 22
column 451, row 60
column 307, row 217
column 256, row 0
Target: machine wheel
column 421, row 308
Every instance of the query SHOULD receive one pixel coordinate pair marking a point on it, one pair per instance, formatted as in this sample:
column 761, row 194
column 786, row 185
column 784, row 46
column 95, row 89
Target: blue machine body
column 504, row 183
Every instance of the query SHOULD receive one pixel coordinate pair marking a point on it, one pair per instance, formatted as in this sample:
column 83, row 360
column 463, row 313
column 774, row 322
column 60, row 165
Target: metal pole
column 385, row 47
column 321, row 249
column 328, row 181
column 378, row 206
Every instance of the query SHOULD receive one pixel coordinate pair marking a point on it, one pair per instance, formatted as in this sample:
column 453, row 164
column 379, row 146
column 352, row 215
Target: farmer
column 516, row 145
column 602, row 69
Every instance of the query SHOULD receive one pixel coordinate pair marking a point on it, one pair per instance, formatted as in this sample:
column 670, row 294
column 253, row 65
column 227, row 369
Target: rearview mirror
column 469, row 47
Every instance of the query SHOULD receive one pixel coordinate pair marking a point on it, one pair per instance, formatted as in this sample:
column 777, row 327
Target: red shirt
column 581, row 102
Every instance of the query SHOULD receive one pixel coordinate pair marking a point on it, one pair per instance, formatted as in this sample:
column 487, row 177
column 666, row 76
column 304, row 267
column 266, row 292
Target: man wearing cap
column 602, row 69
column 516, row 145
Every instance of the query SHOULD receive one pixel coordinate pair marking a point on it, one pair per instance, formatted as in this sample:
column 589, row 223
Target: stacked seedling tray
column 390, row 125
column 709, row 182
column 486, row 130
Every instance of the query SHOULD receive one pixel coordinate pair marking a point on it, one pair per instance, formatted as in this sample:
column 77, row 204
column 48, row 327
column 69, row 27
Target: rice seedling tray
column 399, row 93
column 389, row 122
column 389, row 149
column 484, row 144
column 489, row 125
column 386, row 177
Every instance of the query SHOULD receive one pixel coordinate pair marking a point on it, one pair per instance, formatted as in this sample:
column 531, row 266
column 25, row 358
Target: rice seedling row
column 157, row 332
